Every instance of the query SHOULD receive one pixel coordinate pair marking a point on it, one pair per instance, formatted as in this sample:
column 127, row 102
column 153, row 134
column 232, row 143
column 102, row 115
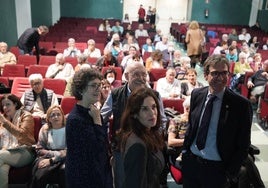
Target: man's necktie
column 203, row 128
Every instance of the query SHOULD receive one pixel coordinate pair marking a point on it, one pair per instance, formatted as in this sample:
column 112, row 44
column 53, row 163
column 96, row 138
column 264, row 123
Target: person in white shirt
column 244, row 35
column 60, row 69
column 163, row 44
column 169, row 86
column 141, row 32
column 91, row 50
column 115, row 37
column 71, row 51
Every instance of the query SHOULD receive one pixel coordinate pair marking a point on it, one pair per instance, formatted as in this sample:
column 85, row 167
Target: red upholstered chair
column 13, row 70
column 67, row 104
column 244, row 88
column 15, row 50
column 27, row 60
column 23, row 175
column 34, row 69
column 156, row 73
column 5, row 81
column 176, row 104
column 19, row 86
column 72, row 60
column 47, row 60
column 57, row 85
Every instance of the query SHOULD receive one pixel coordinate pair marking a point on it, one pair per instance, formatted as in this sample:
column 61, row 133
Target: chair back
column 20, row 85
column 67, row 104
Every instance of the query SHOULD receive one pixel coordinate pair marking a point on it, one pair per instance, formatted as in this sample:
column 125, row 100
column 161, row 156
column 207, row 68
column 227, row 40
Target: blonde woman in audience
column 51, row 151
column 154, row 61
column 91, row 50
column 71, row 51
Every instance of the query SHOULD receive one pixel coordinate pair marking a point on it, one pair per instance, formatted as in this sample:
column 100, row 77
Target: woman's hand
column 94, row 112
column 44, row 163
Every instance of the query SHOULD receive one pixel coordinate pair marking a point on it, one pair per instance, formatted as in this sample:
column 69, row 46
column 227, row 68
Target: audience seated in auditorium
column 116, row 49
column 151, row 29
column 105, row 26
column 141, row 32
column 148, row 46
column 130, row 42
column 38, row 99
column 154, row 61
column 128, row 30
column 82, row 62
column 110, row 76
column 240, row 68
column 257, row 84
column 126, row 18
column 71, row 51
column 257, row 63
column 177, row 127
column 49, row 167
column 163, row 44
column 128, row 59
column 169, row 86
column 224, row 38
column 244, row 35
column 191, row 83
column 105, row 91
column 232, row 54
column 115, row 37
column 233, row 35
column 254, row 44
column 182, row 70
column 265, row 45
column 117, row 28
column 176, row 59
column 6, row 57
column 17, row 136
column 158, row 36
column 221, row 49
column 107, row 60
column 60, row 69
column 91, row 50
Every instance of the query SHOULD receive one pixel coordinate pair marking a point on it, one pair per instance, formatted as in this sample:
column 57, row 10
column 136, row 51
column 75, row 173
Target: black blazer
column 234, row 127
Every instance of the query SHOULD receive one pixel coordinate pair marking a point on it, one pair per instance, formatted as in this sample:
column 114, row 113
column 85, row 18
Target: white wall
column 168, row 10
column 55, row 10
column 23, row 15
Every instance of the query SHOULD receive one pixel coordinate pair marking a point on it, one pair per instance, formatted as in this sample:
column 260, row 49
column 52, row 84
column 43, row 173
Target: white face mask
column 110, row 80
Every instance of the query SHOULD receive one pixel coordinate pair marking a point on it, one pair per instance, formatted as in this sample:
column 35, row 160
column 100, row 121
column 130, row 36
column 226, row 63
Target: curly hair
column 81, row 79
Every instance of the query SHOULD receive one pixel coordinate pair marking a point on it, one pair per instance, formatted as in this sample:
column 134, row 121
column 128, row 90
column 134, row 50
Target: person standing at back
column 194, row 37
column 141, row 13
column 217, row 141
column 30, row 38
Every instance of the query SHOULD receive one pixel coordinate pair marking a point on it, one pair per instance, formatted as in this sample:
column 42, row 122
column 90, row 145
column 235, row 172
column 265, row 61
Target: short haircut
column 33, row 77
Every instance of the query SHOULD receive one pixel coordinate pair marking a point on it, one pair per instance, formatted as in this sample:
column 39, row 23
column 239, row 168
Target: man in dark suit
column 228, row 137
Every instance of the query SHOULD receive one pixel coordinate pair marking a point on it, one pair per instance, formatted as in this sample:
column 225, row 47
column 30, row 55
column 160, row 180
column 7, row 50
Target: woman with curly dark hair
column 87, row 160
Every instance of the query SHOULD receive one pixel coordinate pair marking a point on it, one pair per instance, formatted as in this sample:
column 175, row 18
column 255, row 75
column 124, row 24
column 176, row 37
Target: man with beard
column 136, row 77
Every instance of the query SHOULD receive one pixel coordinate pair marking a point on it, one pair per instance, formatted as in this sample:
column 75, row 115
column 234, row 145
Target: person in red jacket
column 141, row 14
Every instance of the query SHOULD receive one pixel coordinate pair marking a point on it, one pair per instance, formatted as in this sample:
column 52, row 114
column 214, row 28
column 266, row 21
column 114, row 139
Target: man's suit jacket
column 234, row 127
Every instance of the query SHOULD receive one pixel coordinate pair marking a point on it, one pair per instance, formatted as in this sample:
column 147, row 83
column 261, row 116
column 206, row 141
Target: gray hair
column 33, row 77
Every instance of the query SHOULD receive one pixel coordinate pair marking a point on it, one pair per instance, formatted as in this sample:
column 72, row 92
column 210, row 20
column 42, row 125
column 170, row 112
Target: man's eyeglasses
column 217, row 73
column 95, row 86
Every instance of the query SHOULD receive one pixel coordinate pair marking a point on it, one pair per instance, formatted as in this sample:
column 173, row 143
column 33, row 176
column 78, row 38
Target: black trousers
column 201, row 173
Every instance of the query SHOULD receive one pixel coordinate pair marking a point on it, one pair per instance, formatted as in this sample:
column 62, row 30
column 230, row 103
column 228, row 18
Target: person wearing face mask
column 110, row 76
